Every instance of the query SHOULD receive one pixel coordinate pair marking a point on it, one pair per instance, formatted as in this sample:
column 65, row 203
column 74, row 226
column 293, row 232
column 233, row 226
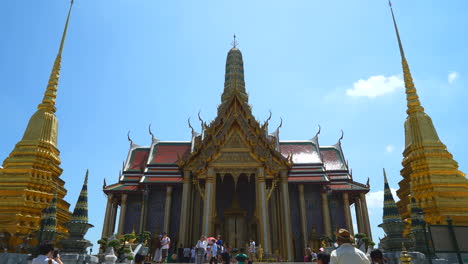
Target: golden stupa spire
column 411, row 95
column 32, row 170
column 48, row 102
column 430, row 174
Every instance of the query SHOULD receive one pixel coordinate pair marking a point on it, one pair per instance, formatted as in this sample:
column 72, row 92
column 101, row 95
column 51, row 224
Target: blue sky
column 127, row 64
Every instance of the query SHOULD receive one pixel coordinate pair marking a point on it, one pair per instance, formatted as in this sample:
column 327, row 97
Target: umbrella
column 210, row 239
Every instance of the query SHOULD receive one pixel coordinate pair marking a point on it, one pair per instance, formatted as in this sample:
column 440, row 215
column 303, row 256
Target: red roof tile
column 166, row 153
column 128, row 178
column 348, row 186
column 162, row 179
column 121, row 187
column 306, row 179
column 332, row 159
column 138, row 159
column 303, row 152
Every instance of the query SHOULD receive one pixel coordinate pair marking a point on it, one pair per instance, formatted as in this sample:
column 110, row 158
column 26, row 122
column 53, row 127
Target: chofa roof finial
column 342, row 135
column 129, row 139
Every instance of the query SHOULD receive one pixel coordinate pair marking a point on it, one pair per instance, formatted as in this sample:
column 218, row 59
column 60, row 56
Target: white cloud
column 389, row 148
column 375, row 86
column 452, row 77
column 375, row 201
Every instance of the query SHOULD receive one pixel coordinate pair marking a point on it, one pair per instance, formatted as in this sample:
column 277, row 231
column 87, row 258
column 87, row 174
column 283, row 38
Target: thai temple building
column 430, row 174
column 236, row 179
column 30, row 177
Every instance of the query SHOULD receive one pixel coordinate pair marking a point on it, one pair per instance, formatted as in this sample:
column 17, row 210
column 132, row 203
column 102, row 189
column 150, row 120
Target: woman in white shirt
column 200, row 248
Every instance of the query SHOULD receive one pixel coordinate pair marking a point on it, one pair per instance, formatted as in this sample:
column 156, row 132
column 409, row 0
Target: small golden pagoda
column 430, row 174
column 31, row 173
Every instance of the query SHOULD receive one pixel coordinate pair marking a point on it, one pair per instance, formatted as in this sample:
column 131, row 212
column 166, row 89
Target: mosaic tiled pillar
column 286, row 212
column 365, row 215
column 113, row 215
column 326, row 215
column 262, row 210
column 107, row 216
column 185, row 209
column 123, row 212
column 144, row 211
column 359, row 217
column 207, row 220
column 347, row 213
column 303, row 216
column 167, row 209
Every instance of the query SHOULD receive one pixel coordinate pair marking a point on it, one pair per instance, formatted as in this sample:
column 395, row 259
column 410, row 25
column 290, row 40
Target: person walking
column 193, row 253
column 165, row 244
column 226, row 255
column 186, row 255
column 214, row 252
column 200, row 249
column 157, row 249
column 252, row 250
column 346, row 253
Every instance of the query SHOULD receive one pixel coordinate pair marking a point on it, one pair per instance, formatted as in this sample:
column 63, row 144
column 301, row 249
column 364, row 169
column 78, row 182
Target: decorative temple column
column 167, row 209
column 365, row 215
column 303, row 215
column 107, row 216
column 207, row 220
column 262, row 210
column 113, row 216
column 123, row 212
column 326, row 215
column 274, row 223
column 144, row 209
column 286, row 212
column 359, row 218
column 347, row 213
column 185, row 209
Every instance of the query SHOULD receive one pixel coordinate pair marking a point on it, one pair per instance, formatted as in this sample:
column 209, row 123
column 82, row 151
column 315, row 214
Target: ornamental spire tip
column 50, row 95
column 234, row 42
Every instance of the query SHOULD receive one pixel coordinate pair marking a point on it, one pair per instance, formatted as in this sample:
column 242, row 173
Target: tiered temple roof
column 158, row 163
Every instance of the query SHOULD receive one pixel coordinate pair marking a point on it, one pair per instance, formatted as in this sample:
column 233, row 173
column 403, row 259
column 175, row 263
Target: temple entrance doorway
column 235, row 206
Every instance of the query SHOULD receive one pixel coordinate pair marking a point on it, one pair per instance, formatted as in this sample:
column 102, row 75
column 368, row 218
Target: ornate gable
column 235, row 138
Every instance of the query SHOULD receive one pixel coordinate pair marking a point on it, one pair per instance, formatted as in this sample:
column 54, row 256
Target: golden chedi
column 430, row 174
column 31, row 173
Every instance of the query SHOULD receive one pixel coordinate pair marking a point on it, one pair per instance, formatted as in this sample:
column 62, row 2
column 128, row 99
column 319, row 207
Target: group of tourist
column 214, row 250
column 207, row 250
column 346, row 253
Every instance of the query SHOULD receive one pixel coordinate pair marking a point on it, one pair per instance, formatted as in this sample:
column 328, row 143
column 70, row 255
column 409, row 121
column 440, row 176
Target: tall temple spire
column 80, row 213
column 234, row 83
column 78, row 226
column 390, row 209
column 48, row 102
column 430, row 174
column 411, row 95
column 392, row 223
column 32, row 170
